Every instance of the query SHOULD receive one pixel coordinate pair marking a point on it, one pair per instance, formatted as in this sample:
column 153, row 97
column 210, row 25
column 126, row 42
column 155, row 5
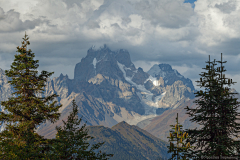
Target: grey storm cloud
column 226, row 7
column 93, row 24
column 126, row 20
column 165, row 13
column 10, row 22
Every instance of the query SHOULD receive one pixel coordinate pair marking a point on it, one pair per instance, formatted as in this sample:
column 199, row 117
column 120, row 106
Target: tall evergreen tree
column 26, row 112
column 71, row 141
column 217, row 112
column 178, row 136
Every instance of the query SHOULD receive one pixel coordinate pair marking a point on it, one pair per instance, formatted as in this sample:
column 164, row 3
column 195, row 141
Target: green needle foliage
column 217, row 112
column 71, row 142
column 26, row 112
column 178, row 136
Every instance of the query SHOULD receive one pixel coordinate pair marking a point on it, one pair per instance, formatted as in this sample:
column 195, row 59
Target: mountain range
column 108, row 89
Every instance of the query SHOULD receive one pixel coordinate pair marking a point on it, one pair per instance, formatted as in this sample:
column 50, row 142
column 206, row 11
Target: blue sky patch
column 190, row 1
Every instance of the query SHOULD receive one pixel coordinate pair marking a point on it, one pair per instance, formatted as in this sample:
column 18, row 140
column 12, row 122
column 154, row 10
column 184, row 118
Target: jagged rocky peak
column 102, row 52
column 159, row 70
column 169, row 75
column 123, row 57
column 62, row 76
column 106, row 62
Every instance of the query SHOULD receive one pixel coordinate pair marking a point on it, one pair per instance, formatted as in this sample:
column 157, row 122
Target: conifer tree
column 217, row 112
column 71, row 141
column 26, row 112
column 178, row 136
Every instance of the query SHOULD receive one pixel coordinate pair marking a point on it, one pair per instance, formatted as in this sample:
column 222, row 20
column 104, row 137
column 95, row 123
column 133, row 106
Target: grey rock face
column 156, row 90
column 140, row 76
column 58, row 85
column 123, row 57
column 175, row 93
column 169, row 75
column 116, row 91
column 103, row 62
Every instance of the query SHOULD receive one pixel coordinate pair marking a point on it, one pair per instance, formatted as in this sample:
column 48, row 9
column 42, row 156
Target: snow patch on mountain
column 94, row 64
column 144, row 94
column 154, row 81
column 122, row 68
column 158, row 98
column 139, row 87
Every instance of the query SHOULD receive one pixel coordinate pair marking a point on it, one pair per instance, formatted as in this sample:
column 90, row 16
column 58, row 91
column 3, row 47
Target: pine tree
column 26, row 112
column 217, row 112
column 179, row 136
column 71, row 141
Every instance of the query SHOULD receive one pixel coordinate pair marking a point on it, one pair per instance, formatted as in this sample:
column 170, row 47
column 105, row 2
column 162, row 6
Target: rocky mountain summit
column 109, row 89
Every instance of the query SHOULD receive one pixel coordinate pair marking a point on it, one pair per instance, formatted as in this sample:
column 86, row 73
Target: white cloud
column 215, row 24
column 10, row 22
column 153, row 31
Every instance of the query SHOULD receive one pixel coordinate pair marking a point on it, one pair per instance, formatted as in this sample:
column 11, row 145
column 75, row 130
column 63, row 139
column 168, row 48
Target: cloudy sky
column 177, row 32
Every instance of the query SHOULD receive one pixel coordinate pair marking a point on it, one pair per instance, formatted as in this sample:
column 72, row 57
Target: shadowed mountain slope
column 128, row 142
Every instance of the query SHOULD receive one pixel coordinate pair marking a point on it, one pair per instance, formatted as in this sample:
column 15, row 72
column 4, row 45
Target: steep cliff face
column 116, row 91
column 104, row 62
column 140, row 77
column 175, row 93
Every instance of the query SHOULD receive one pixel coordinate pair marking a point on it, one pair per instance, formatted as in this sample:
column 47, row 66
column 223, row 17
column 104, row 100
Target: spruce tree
column 178, row 136
column 25, row 112
column 71, row 141
column 217, row 113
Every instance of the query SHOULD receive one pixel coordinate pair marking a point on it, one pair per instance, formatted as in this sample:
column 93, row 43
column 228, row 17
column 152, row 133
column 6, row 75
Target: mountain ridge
column 128, row 142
